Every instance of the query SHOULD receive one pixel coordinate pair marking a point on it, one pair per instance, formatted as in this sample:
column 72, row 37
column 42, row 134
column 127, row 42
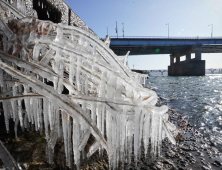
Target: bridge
column 162, row 72
column 175, row 46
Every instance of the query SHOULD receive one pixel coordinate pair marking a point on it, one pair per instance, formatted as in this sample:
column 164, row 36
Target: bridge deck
column 163, row 45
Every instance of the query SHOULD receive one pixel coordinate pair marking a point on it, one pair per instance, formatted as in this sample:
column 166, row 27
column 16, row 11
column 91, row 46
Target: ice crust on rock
column 69, row 83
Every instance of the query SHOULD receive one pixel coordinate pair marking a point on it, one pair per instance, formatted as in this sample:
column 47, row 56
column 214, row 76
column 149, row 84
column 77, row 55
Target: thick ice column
column 188, row 56
column 46, row 117
column 76, row 142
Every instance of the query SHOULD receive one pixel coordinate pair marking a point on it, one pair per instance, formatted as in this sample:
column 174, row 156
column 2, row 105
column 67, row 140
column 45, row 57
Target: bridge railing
column 165, row 37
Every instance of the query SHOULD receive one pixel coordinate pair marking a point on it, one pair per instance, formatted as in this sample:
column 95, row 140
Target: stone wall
column 68, row 16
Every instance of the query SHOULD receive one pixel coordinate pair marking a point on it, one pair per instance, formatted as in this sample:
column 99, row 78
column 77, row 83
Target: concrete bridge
column 214, row 71
column 176, row 47
column 162, row 72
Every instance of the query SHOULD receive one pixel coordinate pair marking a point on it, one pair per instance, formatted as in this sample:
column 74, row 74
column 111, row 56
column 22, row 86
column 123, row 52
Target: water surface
column 199, row 97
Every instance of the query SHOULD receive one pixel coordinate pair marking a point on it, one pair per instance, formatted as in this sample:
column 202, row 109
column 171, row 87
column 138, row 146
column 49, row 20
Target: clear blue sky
column 149, row 18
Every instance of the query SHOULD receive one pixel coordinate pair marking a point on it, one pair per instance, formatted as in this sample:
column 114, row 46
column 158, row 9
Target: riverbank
column 193, row 150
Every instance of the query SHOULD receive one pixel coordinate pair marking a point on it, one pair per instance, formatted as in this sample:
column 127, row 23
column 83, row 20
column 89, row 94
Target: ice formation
column 69, row 83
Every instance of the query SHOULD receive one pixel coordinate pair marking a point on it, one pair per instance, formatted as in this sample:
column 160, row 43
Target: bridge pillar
column 171, row 67
column 189, row 67
column 171, row 60
column 177, row 60
column 198, row 53
column 188, row 57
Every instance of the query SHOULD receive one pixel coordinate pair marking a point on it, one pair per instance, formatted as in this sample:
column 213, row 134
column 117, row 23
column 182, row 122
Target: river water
column 198, row 97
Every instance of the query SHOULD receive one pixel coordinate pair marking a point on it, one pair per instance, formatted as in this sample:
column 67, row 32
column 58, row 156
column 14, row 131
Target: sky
column 186, row 18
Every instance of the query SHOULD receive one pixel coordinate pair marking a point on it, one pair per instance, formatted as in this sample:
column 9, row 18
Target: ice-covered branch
column 51, row 72
column 7, row 159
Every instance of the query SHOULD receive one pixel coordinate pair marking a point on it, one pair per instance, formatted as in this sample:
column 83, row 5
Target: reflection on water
column 198, row 97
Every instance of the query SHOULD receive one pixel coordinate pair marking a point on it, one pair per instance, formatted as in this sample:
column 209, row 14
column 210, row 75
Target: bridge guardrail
column 163, row 37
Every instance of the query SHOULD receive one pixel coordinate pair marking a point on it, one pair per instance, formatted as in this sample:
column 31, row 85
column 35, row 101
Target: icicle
column 123, row 120
column 58, row 123
column 129, row 131
column 13, row 105
column 71, row 69
column 118, row 93
column 31, row 110
column 9, row 107
column 16, row 126
column 20, row 112
column 86, row 86
column 20, row 88
column 52, row 141
column 1, row 78
column 6, row 115
column 37, row 51
column 117, row 141
column 45, row 112
column 27, row 102
column 109, row 137
column 39, row 115
column 50, row 114
column 13, row 102
column 35, row 112
column 59, row 35
column 78, row 74
column 147, row 130
column 60, row 81
column 103, row 118
column 114, row 140
column 69, row 147
column 65, row 135
column 111, row 84
column 154, row 133
column 159, row 138
column 58, row 67
column 136, row 132
column 93, row 112
column 48, row 14
column 84, row 104
column 141, row 132
column 25, row 122
column 99, row 117
column 75, row 142
column 102, row 86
